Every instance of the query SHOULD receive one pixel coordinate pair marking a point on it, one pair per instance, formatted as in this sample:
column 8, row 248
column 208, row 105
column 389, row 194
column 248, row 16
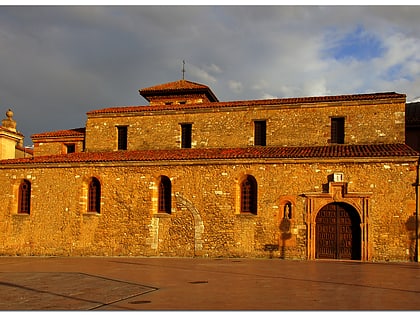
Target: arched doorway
column 337, row 232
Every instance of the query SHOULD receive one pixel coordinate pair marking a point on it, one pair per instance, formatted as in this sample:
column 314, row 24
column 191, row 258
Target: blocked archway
column 337, row 232
column 198, row 221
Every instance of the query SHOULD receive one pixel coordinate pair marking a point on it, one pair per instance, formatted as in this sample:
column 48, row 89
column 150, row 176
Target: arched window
column 249, row 195
column 24, row 197
column 164, row 197
column 94, row 196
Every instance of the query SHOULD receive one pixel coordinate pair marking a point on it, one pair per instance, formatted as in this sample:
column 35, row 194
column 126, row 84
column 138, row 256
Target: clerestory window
column 186, row 135
column 122, row 137
column 260, row 131
column 337, row 130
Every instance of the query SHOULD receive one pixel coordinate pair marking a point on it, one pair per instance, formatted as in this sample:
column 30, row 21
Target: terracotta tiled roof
column 77, row 132
column 280, row 101
column 258, row 153
column 178, row 87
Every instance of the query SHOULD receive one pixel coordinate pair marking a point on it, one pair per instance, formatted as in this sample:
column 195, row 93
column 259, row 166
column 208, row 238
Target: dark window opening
column 260, row 130
column 249, row 195
column 24, row 197
column 94, row 196
column 70, row 148
column 164, row 198
column 337, row 130
column 122, row 137
column 186, row 135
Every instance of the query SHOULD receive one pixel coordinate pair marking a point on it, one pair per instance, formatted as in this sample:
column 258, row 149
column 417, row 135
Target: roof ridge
column 175, row 85
column 262, row 102
column 60, row 133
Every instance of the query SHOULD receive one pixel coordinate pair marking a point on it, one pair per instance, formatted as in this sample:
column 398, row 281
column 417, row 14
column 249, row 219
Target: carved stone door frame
column 337, row 192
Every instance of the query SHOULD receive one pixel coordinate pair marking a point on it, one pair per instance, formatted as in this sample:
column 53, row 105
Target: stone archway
column 355, row 210
column 337, row 232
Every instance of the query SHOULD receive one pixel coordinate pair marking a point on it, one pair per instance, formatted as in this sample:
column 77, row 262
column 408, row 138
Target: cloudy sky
column 59, row 62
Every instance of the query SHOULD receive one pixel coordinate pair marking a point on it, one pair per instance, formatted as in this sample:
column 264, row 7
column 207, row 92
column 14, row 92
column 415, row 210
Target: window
column 337, row 130
column 164, row 195
column 24, row 197
column 249, row 195
column 260, row 127
column 186, row 135
column 94, row 196
column 70, row 147
column 122, row 137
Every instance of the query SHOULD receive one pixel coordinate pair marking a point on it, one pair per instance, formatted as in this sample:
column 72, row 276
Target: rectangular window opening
column 337, row 130
column 70, row 147
column 260, row 132
column 186, row 135
column 122, row 137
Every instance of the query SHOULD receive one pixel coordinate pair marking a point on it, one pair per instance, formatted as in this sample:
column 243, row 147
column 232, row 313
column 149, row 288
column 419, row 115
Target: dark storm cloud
column 58, row 62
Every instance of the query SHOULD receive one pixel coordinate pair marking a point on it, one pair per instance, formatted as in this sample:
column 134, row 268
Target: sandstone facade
column 215, row 125
column 372, row 178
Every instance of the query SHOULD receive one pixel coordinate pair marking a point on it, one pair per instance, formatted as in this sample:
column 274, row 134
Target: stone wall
column 205, row 219
column 366, row 122
column 185, row 98
column 7, row 148
column 8, row 142
column 42, row 147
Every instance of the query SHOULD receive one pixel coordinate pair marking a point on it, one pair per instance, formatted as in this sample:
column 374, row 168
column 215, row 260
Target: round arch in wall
column 354, row 207
column 337, row 232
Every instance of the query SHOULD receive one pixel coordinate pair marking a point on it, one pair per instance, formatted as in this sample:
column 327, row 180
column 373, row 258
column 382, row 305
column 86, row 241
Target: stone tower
column 11, row 141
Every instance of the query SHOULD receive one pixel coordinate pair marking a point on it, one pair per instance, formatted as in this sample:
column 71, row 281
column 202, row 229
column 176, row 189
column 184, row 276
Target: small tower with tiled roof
column 178, row 92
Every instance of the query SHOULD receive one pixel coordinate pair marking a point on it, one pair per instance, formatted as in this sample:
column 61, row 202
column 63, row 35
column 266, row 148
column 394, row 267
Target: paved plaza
column 115, row 283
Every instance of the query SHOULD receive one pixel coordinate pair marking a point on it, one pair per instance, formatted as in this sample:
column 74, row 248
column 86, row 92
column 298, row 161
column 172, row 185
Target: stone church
column 187, row 175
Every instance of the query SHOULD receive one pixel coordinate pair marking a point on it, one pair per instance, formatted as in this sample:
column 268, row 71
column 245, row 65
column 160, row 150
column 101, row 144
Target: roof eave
column 210, row 95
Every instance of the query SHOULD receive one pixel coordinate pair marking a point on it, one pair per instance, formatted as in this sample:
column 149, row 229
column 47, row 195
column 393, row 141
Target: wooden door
column 338, row 232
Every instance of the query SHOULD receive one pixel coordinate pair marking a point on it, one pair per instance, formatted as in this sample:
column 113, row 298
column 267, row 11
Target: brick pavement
column 115, row 283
